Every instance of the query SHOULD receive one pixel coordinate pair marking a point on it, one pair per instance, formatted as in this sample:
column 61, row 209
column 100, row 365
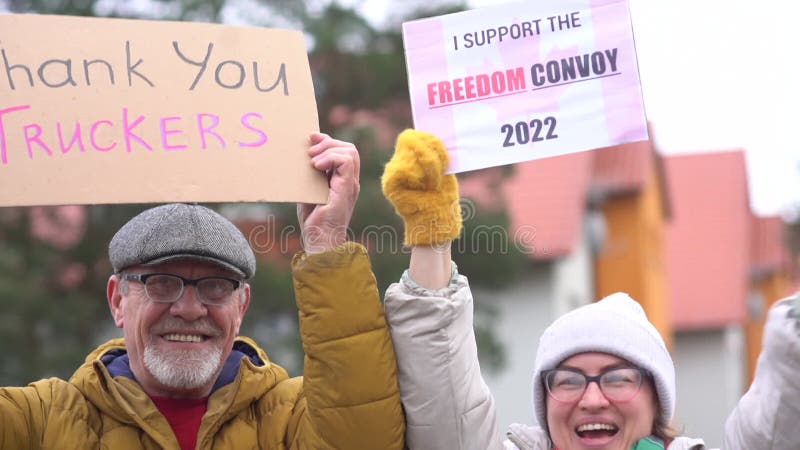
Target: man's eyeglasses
column 619, row 384
column 168, row 288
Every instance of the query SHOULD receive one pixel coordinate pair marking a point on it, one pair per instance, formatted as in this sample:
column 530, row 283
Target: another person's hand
column 324, row 227
column 422, row 194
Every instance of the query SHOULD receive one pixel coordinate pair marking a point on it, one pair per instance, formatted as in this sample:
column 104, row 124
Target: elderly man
column 181, row 378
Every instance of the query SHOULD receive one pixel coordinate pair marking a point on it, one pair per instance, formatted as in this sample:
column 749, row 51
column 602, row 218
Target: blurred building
column 708, row 251
column 725, row 267
column 592, row 223
column 674, row 232
column 549, row 221
column 772, row 275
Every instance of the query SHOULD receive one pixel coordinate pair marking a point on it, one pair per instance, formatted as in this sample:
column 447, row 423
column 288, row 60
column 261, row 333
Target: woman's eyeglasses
column 619, row 384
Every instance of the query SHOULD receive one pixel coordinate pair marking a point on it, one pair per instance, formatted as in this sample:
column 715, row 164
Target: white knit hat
column 616, row 325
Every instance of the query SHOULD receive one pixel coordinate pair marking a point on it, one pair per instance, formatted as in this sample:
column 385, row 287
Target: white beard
column 182, row 369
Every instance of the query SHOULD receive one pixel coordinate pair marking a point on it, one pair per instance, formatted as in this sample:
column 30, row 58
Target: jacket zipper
column 516, row 441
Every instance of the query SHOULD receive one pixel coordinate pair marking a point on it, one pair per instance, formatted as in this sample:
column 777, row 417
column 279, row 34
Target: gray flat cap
column 181, row 231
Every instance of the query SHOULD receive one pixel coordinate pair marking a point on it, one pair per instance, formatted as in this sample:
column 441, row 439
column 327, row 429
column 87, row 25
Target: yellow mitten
column 415, row 182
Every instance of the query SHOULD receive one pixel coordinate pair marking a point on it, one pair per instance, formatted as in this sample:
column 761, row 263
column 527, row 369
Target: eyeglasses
column 619, row 384
column 168, row 288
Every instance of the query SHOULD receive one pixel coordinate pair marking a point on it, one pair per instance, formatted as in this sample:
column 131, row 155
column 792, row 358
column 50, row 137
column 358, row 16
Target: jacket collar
column 118, row 364
column 122, row 398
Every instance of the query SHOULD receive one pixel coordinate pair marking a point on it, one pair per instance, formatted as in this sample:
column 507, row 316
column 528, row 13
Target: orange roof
column 481, row 187
column 548, row 197
column 708, row 251
column 622, row 168
column 546, row 201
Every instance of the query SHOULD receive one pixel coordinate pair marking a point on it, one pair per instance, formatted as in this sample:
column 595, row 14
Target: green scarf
column 649, row 443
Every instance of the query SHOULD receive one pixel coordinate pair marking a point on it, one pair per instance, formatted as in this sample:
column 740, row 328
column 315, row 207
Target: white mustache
column 173, row 324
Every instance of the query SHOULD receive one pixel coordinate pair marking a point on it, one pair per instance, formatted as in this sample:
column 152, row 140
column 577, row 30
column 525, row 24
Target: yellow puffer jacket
column 347, row 400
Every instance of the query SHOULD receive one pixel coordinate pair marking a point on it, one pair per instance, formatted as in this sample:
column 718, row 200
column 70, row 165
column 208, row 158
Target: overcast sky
column 720, row 74
column 742, row 91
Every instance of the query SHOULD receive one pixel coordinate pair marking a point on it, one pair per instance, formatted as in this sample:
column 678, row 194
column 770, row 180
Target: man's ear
column 243, row 303
column 114, row 295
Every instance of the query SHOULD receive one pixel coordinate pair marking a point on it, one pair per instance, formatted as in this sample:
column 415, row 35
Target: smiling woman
column 603, row 378
column 606, row 370
column 631, row 402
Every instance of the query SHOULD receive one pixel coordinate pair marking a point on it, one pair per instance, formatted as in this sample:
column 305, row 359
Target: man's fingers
column 327, row 154
column 339, row 161
column 320, row 142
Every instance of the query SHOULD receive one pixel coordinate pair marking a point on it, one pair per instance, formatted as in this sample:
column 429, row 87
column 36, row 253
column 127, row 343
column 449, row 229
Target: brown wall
column 633, row 258
column 771, row 289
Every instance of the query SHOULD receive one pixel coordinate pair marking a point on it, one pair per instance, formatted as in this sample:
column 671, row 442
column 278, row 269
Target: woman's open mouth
column 594, row 431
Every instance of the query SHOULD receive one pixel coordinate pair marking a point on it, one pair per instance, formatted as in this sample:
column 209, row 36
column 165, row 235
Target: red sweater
column 184, row 416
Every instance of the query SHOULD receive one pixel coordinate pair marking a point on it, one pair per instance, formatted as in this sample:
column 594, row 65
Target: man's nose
column 189, row 306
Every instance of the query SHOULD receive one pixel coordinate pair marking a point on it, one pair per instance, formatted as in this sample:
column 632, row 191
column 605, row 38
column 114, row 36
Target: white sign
column 525, row 80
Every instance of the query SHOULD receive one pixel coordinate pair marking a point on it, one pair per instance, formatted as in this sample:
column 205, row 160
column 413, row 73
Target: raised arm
column 430, row 311
column 324, row 227
column 431, row 267
column 351, row 399
column 767, row 416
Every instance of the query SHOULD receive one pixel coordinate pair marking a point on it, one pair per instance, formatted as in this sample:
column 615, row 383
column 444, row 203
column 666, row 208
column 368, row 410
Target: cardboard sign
column 134, row 111
column 525, row 80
